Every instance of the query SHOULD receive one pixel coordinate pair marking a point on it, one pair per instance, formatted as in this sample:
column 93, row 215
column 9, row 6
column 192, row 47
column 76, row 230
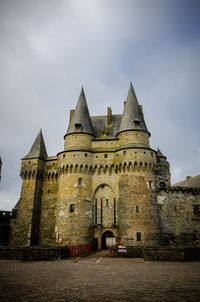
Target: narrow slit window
column 137, row 209
column 107, row 203
column 138, row 236
column 79, row 181
column 150, row 184
column 85, row 154
column 72, row 208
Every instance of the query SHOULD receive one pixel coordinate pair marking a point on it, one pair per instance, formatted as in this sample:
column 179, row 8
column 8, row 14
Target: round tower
column 138, row 222
column 74, row 208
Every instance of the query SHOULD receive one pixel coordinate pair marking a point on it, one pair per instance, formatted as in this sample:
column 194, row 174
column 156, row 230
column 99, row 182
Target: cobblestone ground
column 98, row 278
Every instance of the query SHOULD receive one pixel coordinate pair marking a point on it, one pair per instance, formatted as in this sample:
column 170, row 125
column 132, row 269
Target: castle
column 106, row 183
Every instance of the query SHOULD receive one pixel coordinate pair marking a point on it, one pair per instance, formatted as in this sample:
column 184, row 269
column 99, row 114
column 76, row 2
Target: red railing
column 80, row 249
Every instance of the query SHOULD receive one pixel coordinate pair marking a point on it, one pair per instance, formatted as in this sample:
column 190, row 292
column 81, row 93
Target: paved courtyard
column 98, row 278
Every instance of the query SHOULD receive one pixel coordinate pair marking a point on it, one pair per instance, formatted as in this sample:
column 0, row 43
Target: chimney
column 71, row 115
column 109, row 116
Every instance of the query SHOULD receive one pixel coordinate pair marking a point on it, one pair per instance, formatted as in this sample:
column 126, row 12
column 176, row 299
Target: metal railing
column 80, row 249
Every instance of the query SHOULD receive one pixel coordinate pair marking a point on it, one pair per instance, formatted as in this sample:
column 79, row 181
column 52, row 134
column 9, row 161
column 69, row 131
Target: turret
column 28, row 207
column 162, row 170
column 80, row 130
column 73, row 224
column 137, row 203
column 133, row 130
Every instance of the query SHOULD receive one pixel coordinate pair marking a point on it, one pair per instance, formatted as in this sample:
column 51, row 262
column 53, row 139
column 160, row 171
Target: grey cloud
column 49, row 49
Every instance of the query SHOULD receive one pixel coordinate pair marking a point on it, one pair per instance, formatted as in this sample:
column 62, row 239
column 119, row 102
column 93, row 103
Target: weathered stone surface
column 108, row 186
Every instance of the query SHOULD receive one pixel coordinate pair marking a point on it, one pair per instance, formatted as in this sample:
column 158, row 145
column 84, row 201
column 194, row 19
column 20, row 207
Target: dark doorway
column 106, row 240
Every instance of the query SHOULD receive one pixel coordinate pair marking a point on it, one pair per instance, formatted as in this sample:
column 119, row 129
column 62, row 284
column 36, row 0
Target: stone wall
column 179, row 215
column 159, row 253
column 34, row 253
column 137, row 211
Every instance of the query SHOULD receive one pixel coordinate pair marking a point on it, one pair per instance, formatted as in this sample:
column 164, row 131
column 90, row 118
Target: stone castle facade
column 106, row 183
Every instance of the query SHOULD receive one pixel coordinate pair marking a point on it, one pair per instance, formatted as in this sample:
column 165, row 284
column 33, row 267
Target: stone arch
column 130, row 166
column 135, row 166
column 91, row 170
column 29, row 175
column 104, row 206
column 86, row 169
column 95, row 169
column 100, row 169
column 107, row 239
column 112, row 169
column 106, row 169
column 81, row 168
column 71, row 169
column 76, row 168
column 124, row 167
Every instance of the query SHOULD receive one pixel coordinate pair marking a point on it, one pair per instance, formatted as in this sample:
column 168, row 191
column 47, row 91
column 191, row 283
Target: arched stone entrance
column 107, row 240
column 104, row 206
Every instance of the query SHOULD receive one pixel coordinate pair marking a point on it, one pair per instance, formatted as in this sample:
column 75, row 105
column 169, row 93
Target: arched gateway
column 107, row 239
column 104, row 215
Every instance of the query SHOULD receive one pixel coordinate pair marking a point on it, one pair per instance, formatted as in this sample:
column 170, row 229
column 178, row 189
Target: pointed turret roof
column 38, row 149
column 159, row 153
column 81, row 121
column 132, row 113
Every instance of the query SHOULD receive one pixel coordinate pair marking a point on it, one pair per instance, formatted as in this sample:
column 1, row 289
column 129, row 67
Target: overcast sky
column 50, row 48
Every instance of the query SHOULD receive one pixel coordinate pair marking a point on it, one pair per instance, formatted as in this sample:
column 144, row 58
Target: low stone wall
column 34, row 253
column 159, row 253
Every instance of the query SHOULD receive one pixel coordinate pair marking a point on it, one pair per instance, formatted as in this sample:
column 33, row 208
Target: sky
column 50, row 48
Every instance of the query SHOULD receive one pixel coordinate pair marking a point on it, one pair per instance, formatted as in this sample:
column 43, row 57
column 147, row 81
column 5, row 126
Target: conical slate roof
column 38, row 149
column 159, row 153
column 81, row 121
column 132, row 113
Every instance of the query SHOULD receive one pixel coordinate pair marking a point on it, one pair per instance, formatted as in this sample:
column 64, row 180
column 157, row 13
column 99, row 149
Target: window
column 80, row 181
column 107, row 203
column 71, row 208
column 63, row 155
column 49, row 191
column 152, row 154
column 137, row 209
column 150, row 184
column 105, row 155
column 85, row 154
column 124, row 152
column 78, row 127
column 138, row 236
column 137, row 123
